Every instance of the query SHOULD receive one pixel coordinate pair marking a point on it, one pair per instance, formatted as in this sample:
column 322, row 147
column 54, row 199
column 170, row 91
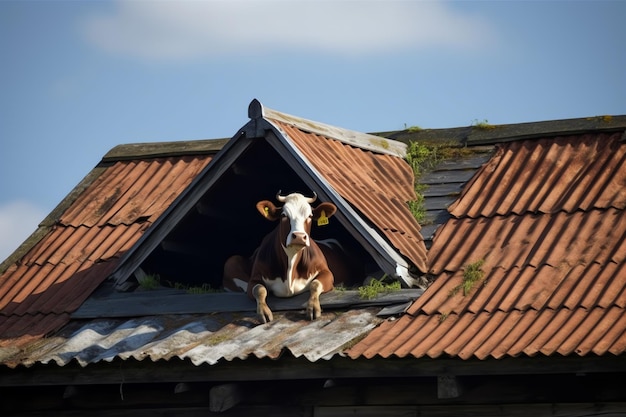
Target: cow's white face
column 295, row 221
column 296, row 216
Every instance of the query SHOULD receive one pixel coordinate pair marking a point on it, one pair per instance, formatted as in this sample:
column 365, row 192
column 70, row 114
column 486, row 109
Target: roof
column 544, row 222
column 387, row 181
column 545, row 283
column 151, row 207
column 72, row 254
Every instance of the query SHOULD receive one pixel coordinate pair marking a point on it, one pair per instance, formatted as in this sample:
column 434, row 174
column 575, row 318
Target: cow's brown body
column 288, row 261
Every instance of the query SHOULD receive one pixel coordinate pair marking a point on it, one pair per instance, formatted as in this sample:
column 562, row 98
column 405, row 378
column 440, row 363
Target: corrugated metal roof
column 550, row 232
column 206, row 338
column 59, row 272
column 379, row 186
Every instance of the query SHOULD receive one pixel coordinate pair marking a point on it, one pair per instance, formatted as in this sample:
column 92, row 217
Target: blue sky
column 80, row 77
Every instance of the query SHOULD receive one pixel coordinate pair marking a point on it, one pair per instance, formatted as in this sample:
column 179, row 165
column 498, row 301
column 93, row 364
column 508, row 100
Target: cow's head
column 295, row 216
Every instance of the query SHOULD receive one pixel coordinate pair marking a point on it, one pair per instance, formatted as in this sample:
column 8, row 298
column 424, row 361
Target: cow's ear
column 268, row 210
column 328, row 208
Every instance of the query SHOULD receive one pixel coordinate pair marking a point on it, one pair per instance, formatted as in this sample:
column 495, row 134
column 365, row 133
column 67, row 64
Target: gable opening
column 225, row 222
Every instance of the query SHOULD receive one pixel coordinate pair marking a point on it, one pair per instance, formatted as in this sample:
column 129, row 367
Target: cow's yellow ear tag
column 322, row 220
column 267, row 211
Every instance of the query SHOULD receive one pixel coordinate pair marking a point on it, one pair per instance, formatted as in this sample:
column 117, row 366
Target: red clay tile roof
column 548, row 175
column 379, row 186
column 84, row 246
column 547, row 220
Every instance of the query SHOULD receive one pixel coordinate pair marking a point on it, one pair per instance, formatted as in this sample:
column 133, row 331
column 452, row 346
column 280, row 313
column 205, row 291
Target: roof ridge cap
column 373, row 143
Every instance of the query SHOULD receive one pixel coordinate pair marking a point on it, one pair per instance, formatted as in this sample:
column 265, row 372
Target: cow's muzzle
column 298, row 239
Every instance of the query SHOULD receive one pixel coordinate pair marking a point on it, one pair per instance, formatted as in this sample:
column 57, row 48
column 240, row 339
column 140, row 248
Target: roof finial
column 255, row 109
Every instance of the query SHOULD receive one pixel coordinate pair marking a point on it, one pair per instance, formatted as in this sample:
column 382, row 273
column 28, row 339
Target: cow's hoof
column 313, row 312
column 265, row 314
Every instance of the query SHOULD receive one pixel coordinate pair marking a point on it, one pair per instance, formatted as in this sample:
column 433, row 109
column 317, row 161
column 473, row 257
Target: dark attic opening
column 225, row 222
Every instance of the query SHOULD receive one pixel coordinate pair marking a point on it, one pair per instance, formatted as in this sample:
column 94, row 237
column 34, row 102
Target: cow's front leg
column 262, row 309
column 313, row 308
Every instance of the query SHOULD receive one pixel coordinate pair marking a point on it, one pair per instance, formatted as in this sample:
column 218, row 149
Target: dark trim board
column 559, row 394
column 287, row 367
column 147, row 303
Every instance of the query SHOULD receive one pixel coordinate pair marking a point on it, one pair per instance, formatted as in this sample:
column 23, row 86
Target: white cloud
column 18, row 219
column 190, row 29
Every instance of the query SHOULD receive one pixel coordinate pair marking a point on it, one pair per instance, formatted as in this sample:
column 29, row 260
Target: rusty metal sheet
column 199, row 338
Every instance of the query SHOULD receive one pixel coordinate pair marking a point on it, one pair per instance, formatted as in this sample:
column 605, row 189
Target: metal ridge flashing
column 366, row 141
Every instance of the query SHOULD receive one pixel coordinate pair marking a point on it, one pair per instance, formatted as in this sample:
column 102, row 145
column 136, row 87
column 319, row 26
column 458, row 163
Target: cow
column 287, row 262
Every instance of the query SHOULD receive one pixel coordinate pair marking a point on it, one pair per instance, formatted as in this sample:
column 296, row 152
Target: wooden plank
column 471, row 162
column 437, row 217
column 147, row 303
column 439, row 203
column 442, row 190
column 452, row 176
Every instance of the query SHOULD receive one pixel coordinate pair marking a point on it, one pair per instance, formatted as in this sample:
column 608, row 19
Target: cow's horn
column 279, row 197
column 312, row 199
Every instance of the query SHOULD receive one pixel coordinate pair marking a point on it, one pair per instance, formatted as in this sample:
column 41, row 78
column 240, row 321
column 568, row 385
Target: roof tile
column 554, row 277
column 61, row 270
column 528, row 176
column 379, row 185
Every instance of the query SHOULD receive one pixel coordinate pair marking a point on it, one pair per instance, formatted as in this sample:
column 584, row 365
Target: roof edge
column 44, row 227
column 373, row 143
column 161, row 149
column 488, row 134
